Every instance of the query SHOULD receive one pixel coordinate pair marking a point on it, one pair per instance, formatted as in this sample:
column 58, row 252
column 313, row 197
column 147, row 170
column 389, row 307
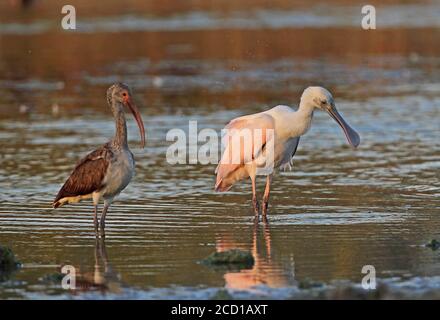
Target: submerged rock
column 8, row 263
column 7, row 259
column 434, row 244
column 354, row 292
column 308, row 283
column 230, row 257
column 55, row 277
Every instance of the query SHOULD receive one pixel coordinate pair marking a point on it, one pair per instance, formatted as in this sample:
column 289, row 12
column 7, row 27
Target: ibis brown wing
column 88, row 175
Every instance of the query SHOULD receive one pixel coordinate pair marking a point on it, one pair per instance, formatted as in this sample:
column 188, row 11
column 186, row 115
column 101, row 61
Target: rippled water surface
column 336, row 211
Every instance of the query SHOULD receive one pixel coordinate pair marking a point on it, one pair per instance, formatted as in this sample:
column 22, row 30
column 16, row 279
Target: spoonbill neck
column 301, row 120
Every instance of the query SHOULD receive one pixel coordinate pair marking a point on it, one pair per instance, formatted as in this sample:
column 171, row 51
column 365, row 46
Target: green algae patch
column 229, row 258
column 222, row 294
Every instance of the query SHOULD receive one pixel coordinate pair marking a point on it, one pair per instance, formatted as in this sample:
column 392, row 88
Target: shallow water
column 336, row 211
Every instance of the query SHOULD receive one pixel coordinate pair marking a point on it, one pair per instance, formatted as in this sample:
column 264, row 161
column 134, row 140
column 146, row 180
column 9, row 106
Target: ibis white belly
column 119, row 174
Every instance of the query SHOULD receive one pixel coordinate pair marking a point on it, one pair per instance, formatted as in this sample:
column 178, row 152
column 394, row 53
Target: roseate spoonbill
column 287, row 126
column 105, row 172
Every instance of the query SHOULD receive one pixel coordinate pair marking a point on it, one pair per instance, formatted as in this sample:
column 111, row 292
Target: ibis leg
column 266, row 195
column 95, row 218
column 103, row 214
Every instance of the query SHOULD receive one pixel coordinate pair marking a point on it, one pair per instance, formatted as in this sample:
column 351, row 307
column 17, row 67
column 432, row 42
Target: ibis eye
column 124, row 94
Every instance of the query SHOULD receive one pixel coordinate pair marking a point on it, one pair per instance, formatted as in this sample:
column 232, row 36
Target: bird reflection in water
column 264, row 271
column 103, row 278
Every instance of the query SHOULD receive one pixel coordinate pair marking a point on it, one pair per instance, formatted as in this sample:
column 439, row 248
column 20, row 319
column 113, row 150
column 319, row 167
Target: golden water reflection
column 103, row 278
column 265, row 270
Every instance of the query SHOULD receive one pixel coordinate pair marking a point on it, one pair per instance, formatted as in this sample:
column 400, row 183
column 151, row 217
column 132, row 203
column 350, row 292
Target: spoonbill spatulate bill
column 286, row 126
column 105, row 172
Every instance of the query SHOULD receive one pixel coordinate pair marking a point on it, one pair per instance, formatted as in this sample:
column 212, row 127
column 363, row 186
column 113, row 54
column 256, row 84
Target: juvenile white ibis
column 286, row 126
column 105, row 172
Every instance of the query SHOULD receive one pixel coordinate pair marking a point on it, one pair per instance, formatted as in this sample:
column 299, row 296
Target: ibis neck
column 120, row 138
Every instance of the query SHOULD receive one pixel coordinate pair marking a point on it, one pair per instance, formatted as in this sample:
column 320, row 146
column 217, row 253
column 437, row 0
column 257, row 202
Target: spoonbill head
column 320, row 98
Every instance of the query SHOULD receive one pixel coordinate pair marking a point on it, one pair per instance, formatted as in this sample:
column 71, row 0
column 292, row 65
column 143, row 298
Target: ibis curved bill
column 137, row 116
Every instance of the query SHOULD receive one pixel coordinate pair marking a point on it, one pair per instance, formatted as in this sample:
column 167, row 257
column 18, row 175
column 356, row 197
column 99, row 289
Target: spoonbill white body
column 280, row 128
